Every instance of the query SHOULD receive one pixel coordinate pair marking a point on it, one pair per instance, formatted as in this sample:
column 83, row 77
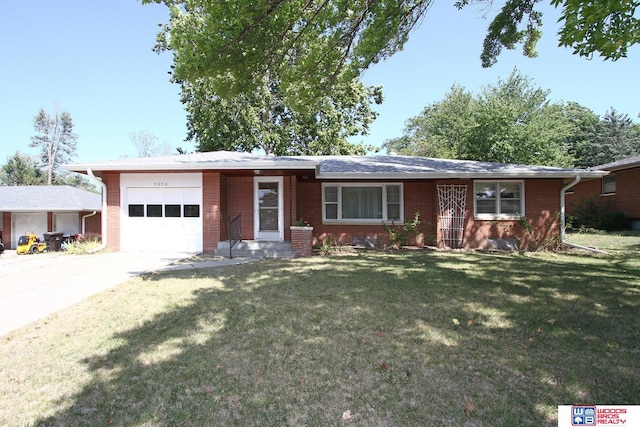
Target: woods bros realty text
column 597, row 415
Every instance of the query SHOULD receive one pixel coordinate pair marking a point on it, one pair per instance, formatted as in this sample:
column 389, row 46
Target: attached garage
column 161, row 212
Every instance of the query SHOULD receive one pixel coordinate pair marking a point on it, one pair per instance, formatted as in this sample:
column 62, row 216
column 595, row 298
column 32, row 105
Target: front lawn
column 373, row 339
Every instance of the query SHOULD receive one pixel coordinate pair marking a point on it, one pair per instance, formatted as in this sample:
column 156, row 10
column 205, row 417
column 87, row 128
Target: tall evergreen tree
column 21, row 169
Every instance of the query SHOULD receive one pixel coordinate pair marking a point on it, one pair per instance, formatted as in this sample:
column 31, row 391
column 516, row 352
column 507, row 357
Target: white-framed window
column 362, row 202
column 498, row 199
column 609, row 184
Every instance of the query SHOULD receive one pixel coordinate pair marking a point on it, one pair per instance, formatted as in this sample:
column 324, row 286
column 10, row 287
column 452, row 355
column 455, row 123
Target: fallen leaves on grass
column 469, row 407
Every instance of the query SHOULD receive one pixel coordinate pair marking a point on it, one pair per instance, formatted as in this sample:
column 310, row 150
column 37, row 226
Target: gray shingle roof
column 48, row 198
column 338, row 167
column 629, row 162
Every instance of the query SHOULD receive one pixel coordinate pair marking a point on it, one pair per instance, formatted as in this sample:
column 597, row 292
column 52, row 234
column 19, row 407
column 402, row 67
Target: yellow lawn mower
column 29, row 243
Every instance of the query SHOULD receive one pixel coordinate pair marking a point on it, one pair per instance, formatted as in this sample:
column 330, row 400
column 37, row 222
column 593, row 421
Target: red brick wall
column 240, row 201
column 92, row 223
column 626, row 198
column 542, row 208
column 542, row 204
column 302, row 241
column 418, row 197
column 211, row 211
column 112, row 180
column 6, row 229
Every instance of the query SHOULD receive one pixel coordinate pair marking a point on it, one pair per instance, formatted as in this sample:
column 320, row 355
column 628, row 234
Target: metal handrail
column 235, row 232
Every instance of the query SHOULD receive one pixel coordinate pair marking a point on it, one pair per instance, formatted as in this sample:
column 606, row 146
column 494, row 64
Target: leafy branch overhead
column 311, row 46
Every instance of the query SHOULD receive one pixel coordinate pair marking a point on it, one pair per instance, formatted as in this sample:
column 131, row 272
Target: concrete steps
column 256, row 249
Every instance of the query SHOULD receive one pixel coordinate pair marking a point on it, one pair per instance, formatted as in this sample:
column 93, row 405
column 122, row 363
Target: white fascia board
column 102, row 167
column 461, row 175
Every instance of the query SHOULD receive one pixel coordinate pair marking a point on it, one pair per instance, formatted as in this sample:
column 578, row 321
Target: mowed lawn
column 372, row 339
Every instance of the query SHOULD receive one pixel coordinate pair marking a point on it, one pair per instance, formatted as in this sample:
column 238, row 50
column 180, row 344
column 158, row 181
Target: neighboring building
column 47, row 208
column 620, row 188
column 183, row 202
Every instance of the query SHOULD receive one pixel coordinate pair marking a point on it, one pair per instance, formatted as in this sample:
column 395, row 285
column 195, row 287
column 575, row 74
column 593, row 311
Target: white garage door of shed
column 35, row 223
column 162, row 219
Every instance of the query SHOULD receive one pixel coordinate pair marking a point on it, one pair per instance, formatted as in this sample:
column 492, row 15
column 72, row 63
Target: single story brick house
column 620, row 187
column 184, row 202
column 47, row 208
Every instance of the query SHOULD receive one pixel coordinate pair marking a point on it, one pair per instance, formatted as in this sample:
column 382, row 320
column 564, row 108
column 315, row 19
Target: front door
column 268, row 205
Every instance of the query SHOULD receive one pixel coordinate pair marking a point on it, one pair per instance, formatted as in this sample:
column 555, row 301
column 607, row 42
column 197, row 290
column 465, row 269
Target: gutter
column 83, row 220
column 103, row 217
column 563, row 222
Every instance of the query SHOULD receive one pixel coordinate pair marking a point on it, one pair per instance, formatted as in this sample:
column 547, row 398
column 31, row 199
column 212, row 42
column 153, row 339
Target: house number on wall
column 160, row 184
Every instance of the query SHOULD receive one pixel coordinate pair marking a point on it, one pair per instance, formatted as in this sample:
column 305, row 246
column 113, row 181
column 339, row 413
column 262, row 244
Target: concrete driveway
column 34, row 286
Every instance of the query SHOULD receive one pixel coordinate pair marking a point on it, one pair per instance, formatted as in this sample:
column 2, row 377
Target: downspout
column 103, row 215
column 83, row 220
column 563, row 222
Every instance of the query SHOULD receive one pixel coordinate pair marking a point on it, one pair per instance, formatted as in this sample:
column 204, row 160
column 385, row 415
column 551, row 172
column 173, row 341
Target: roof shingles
column 49, row 198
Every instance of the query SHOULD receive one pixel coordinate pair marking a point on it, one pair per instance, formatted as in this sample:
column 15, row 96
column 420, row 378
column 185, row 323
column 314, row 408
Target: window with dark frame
column 172, row 211
column 154, row 211
column 136, row 210
column 191, row 211
column 609, row 184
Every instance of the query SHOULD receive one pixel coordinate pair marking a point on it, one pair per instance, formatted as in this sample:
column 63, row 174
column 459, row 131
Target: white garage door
column 164, row 217
column 35, row 223
column 67, row 223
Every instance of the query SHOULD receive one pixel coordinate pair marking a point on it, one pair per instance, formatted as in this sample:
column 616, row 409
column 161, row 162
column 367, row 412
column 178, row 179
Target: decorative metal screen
column 452, row 200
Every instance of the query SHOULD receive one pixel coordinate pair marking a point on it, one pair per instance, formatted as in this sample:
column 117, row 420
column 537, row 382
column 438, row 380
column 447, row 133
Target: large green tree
column 616, row 137
column 55, row 140
column 509, row 122
column 263, row 120
column 21, row 169
column 441, row 129
column 313, row 46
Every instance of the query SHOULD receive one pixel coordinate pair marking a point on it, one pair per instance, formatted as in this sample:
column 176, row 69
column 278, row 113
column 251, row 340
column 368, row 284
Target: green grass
column 405, row 338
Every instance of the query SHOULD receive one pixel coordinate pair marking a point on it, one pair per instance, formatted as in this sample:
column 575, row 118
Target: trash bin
column 53, row 240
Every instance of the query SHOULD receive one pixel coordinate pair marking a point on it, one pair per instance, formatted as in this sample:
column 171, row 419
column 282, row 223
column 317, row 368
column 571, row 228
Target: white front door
column 268, row 208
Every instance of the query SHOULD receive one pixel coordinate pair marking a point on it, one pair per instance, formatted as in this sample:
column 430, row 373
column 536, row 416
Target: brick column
column 112, row 180
column 301, row 241
column 211, row 215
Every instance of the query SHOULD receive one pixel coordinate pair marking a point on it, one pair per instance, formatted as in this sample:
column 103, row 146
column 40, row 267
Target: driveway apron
column 34, row 286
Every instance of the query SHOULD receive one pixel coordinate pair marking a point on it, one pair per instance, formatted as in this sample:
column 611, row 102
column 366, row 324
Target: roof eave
column 459, row 175
column 97, row 167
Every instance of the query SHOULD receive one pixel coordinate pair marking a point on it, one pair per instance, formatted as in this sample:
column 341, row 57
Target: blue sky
column 94, row 60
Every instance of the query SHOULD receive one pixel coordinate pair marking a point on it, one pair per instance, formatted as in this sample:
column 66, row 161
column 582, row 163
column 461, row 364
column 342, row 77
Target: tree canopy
column 514, row 122
column 21, row 169
column 613, row 138
column 509, row 122
column 312, row 46
column 263, row 120
column 55, row 139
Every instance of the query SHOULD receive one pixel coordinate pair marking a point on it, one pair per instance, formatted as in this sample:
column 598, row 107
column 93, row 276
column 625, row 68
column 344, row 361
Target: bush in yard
column 596, row 213
column 612, row 221
column 399, row 235
column 84, row 244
